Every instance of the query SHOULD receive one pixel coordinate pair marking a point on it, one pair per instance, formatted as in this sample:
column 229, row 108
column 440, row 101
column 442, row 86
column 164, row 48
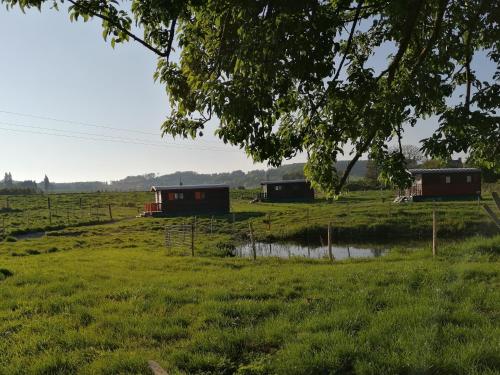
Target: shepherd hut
column 286, row 191
column 444, row 184
column 189, row 199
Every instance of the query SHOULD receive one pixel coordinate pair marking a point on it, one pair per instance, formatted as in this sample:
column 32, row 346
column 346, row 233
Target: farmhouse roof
column 282, row 182
column 189, row 187
column 444, row 170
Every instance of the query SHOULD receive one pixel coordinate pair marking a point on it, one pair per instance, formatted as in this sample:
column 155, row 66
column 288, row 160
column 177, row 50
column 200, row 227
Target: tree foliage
column 7, row 180
column 412, row 154
column 284, row 77
column 46, row 184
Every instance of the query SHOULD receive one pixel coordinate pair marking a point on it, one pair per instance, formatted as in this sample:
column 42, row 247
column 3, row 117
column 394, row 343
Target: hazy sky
column 52, row 68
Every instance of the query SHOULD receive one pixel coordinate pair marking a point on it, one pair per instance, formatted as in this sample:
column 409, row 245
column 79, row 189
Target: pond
column 290, row 249
column 29, row 235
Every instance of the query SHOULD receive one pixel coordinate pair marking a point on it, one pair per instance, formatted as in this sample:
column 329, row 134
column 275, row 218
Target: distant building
column 445, row 184
column 286, row 191
column 189, row 199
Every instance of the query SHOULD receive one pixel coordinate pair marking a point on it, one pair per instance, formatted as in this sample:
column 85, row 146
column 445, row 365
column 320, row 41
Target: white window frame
column 278, row 188
column 469, row 179
column 447, row 179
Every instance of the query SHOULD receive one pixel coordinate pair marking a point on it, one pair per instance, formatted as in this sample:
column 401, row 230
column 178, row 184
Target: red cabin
column 189, row 199
column 445, row 184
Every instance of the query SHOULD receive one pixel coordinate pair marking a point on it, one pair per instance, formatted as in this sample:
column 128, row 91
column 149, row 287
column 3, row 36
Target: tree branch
column 349, row 40
column 435, row 33
column 411, row 20
column 121, row 28
column 410, row 25
column 468, row 73
column 314, row 109
column 171, row 38
column 366, row 7
column 354, row 160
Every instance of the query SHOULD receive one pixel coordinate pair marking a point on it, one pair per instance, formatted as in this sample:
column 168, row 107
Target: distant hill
column 238, row 178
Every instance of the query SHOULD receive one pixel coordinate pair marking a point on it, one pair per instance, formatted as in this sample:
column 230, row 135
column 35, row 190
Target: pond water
column 30, row 235
column 287, row 250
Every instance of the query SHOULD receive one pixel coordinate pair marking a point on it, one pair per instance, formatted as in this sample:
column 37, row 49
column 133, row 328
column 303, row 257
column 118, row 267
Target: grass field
column 359, row 215
column 103, row 298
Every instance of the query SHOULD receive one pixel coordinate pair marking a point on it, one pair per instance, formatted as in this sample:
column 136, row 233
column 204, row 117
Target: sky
column 52, row 70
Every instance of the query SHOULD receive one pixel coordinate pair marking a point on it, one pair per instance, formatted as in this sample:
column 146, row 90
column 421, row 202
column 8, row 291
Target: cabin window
column 448, row 179
column 278, row 187
column 469, row 179
column 175, row 196
column 199, row 195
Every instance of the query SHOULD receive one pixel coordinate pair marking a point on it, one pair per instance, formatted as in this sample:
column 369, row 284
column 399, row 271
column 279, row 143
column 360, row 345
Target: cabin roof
column 282, row 182
column 443, row 170
column 189, row 187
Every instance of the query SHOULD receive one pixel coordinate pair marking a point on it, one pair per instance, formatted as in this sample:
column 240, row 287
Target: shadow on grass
column 238, row 216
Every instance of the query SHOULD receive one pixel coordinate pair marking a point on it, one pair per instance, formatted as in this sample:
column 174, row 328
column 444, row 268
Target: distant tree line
column 365, row 175
column 236, row 179
column 10, row 187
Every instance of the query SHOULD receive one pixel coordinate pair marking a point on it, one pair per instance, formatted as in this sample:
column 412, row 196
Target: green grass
column 104, row 299
column 109, row 310
column 367, row 215
column 30, row 213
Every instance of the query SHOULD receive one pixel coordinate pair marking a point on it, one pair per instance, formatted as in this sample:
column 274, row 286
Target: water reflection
column 287, row 250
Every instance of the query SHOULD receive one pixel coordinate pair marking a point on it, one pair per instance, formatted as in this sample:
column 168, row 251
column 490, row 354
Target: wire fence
column 19, row 215
column 310, row 226
column 322, row 229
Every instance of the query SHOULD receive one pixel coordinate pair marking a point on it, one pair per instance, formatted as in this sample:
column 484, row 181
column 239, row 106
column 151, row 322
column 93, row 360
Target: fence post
column 330, row 254
column 269, row 229
column 307, row 233
column 254, row 251
column 211, row 225
column 349, row 232
column 434, row 233
column 167, row 238
column 80, row 203
column 110, row 213
column 50, row 210
column 193, row 228
column 7, row 202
